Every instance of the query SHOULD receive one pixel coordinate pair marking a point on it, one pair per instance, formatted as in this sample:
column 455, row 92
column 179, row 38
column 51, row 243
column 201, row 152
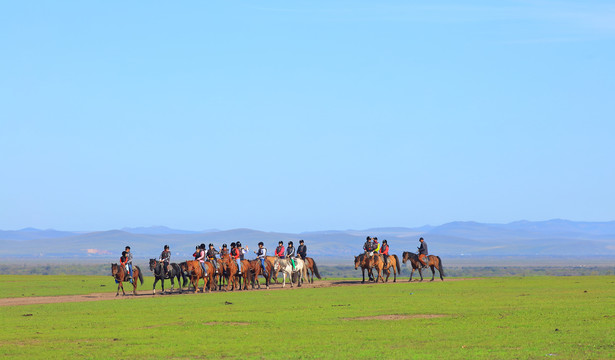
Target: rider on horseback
column 279, row 251
column 290, row 253
column 201, row 258
column 223, row 251
column 423, row 253
column 302, row 250
column 261, row 254
column 211, row 256
column 124, row 263
column 129, row 261
column 376, row 246
column 368, row 246
column 242, row 251
column 165, row 259
column 384, row 251
column 235, row 256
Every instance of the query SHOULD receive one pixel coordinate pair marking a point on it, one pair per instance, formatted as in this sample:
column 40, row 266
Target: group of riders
column 236, row 253
column 372, row 246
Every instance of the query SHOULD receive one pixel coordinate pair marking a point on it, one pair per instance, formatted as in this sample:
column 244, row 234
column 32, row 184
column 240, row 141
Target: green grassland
column 487, row 318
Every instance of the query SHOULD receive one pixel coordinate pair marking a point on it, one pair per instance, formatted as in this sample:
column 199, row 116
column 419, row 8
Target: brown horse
column 120, row 274
column 362, row 260
column 195, row 272
column 434, row 263
column 256, row 269
column 229, row 267
column 393, row 262
column 310, row 265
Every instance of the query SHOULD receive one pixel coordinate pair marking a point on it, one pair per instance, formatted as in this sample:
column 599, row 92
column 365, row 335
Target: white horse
column 286, row 267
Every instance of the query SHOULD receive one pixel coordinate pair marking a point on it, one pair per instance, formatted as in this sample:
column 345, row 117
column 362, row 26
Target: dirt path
column 148, row 293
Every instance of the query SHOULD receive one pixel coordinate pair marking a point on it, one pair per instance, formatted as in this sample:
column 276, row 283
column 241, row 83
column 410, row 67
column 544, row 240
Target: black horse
column 160, row 274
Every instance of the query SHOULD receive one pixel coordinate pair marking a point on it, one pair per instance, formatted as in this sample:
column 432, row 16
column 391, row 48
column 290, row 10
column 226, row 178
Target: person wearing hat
column 211, row 256
column 242, row 251
column 279, row 251
column 290, row 253
column 165, row 258
column 201, row 258
column 302, row 250
column 223, row 251
column 129, row 261
column 261, row 254
column 235, row 256
column 376, row 246
column 124, row 263
column 423, row 254
column 368, row 246
column 384, row 251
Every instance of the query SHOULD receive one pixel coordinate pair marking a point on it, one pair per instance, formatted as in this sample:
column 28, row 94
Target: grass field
column 501, row 318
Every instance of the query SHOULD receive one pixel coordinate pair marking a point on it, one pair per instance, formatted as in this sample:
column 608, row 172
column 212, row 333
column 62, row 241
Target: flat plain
column 485, row 318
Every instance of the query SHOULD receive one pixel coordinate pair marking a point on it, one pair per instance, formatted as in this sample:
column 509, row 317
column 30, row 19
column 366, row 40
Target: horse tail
column 140, row 274
column 440, row 267
column 316, row 269
column 397, row 264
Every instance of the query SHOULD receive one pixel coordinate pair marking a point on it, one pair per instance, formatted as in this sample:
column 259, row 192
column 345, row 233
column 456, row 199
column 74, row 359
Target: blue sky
column 297, row 116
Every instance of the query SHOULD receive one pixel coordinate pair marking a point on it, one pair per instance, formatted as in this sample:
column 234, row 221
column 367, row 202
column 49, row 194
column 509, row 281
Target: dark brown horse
column 434, row 263
column 362, row 260
column 120, row 274
column 311, row 267
column 256, row 269
column 393, row 262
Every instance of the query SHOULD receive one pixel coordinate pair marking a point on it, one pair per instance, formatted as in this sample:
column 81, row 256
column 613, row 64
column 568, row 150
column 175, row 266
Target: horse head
column 357, row 261
column 152, row 264
column 406, row 256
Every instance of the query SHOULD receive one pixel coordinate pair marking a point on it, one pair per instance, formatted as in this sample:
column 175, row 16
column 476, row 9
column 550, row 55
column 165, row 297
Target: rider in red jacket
column 279, row 251
column 235, row 255
column 384, row 251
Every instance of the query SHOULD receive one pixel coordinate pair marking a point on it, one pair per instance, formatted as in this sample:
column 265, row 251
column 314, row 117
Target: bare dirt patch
column 397, row 317
column 148, row 293
column 227, row 323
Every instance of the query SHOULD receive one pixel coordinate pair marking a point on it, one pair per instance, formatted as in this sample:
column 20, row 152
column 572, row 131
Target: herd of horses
column 371, row 262
column 227, row 276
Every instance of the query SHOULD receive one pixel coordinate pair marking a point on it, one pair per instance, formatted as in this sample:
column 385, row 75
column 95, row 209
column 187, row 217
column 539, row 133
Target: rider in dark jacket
column 290, row 253
column 211, row 256
column 368, row 246
column 423, row 253
column 302, row 250
column 165, row 258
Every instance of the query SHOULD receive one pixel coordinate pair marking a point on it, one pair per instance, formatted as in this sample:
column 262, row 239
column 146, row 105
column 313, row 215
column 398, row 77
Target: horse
column 310, row 266
column 274, row 275
column 120, row 274
column 359, row 260
column 286, row 267
column 195, row 271
column 393, row 262
column 256, row 269
column 159, row 274
column 434, row 262
column 229, row 266
column 375, row 261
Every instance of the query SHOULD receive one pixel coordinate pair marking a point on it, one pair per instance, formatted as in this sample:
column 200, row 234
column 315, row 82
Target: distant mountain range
column 521, row 238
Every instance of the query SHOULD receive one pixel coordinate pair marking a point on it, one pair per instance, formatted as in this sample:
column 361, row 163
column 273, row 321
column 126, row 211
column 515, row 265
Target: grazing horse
column 256, row 269
column 159, row 274
column 286, row 267
column 120, row 274
column 393, row 262
column 310, row 266
column 434, row 262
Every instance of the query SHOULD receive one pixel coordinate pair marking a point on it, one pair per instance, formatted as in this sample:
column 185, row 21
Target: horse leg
column 154, row 287
column 394, row 274
column 411, row 273
column 363, row 271
column 420, row 273
column 433, row 272
column 118, row 288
